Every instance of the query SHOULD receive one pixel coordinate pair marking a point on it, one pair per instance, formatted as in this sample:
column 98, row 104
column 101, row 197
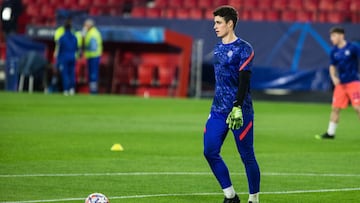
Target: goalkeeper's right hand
column 235, row 118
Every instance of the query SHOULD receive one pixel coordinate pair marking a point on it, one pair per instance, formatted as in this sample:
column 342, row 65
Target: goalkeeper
column 232, row 106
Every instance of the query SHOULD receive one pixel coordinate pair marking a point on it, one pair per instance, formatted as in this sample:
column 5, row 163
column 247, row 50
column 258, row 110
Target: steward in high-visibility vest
column 92, row 51
column 79, row 37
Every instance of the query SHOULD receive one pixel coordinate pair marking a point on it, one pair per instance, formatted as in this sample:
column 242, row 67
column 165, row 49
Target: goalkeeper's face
column 221, row 27
column 336, row 38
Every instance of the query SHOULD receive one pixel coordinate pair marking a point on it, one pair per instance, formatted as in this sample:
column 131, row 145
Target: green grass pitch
column 57, row 149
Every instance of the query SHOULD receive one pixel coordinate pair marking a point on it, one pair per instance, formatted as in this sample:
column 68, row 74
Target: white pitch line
column 169, row 173
column 192, row 194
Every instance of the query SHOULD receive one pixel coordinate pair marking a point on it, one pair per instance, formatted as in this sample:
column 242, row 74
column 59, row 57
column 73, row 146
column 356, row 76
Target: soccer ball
column 97, row 198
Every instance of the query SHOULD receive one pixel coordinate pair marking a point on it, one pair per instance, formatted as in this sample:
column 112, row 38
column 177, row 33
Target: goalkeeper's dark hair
column 228, row 13
column 339, row 30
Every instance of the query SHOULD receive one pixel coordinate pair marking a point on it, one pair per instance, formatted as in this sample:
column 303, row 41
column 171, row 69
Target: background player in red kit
column 232, row 106
column 344, row 69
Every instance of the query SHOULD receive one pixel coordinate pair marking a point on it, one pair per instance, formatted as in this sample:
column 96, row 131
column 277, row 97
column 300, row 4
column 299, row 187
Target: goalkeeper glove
column 235, row 118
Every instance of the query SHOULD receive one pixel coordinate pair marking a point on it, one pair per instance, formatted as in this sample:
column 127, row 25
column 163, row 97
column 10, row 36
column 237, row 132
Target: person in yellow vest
column 79, row 37
column 92, row 51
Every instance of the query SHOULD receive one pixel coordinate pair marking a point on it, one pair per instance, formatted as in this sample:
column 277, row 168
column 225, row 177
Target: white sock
column 332, row 128
column 229, row 192
column 72, row 91
column 254, row 198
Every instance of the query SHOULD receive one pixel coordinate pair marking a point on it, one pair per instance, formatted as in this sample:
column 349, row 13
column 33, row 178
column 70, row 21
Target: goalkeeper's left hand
column 235, row 118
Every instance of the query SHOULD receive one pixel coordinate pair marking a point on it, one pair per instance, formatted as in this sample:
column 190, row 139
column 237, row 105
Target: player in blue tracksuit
column 66, row 58
column 232, row 106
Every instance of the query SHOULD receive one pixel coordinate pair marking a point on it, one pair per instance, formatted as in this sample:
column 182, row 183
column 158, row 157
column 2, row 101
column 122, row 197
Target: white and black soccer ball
column 97, row 198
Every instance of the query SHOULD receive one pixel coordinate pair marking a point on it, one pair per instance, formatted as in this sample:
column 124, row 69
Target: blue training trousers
column 67, row 68
column 93, row 64
column 214, row 135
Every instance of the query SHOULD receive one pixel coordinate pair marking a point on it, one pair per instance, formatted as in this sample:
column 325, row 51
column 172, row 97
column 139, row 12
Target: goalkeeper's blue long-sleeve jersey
column 229, row 59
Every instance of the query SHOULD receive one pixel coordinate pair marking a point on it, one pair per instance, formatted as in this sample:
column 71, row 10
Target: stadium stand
column 124, row 73
column 135, row 74
column 332, row 11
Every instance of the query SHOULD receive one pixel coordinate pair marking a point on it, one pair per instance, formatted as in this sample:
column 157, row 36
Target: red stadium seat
column 335, row 17
column 153, row 12
column 250, row 4
column 343, row 5
column 257, row 15
column 355, row 6
column 237, row 4
column 48, row 11
column 321, row 17
column 175, row 3
column 305, row 16
column 265, row 4
column 166, row 75
column 84, row 3
column 288, row 16
column 272, row 15
column 208, row 14
column 295, row 5
column 182, row 13
column 51, row 2
column 66, row 4
column 115, row 11
column 115, row 3
column 158, row 59
column 146, row 74
column 190, row 3
column 310, row 5
column 326, row 5
column 160, row 3
column 169, row 13
column 42, row 2
column 29, row 2
column 138, row 12
column 206, row 4
column 33, row 11
column 95, row 11
column 331, row 17
column 245, row 14
column 280, row 4
column 99, row 2
column 222, row 2
column 196, row 13
column 104, row 10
